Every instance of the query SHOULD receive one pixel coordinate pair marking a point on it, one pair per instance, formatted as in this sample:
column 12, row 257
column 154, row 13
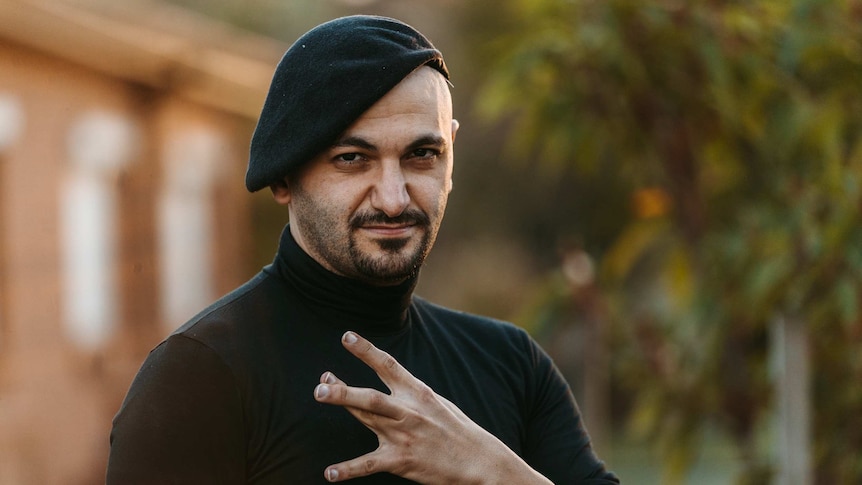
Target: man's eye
column 424, row 153
column 349, row 158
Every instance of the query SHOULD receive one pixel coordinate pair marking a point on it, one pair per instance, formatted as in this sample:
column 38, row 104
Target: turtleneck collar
column 343, row 301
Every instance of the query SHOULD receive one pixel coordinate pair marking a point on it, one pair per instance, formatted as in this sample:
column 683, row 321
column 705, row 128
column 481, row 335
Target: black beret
column 324, row 82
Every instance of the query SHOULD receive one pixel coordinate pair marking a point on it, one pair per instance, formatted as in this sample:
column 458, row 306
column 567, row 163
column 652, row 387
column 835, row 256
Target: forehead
column 421, row 97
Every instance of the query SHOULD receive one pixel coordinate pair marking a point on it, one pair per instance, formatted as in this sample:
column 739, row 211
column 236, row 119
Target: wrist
column 506, row 467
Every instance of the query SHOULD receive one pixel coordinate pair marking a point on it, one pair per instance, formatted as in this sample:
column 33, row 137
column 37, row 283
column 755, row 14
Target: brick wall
column 88, row 163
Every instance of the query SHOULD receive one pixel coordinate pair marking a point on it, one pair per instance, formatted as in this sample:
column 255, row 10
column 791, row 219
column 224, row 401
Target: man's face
column 369, row 207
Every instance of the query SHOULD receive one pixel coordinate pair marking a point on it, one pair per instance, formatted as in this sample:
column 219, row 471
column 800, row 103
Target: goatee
column 394, row 267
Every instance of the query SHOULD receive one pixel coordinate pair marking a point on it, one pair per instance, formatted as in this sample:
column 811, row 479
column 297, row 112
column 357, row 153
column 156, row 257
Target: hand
column 422, row 436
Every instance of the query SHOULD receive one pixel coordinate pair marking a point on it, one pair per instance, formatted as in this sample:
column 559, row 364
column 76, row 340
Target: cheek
column 448, row 174
column 448, row 184
column 339, row 198
column 440, row 197
column 432, row 199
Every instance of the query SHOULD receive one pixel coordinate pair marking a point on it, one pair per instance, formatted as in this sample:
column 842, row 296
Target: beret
column 324, row 82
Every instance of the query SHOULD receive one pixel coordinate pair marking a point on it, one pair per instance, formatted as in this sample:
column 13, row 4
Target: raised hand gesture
column 422, row 436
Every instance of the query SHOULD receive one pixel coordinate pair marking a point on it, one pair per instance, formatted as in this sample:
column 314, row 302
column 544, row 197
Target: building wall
column 106, row 187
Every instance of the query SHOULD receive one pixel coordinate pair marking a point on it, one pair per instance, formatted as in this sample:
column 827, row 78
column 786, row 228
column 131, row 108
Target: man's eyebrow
column 354, row 141
column 427, row 140
column 424, row 140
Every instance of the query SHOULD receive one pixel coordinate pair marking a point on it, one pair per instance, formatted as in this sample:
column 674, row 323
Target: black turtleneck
column 228, row 397
column 362, row 307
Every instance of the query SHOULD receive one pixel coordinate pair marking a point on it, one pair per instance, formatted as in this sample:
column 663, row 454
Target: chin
column 389, row 267
column 393, row 245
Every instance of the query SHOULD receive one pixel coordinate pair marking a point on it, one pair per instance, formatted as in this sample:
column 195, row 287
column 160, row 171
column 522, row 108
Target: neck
column 354, row 304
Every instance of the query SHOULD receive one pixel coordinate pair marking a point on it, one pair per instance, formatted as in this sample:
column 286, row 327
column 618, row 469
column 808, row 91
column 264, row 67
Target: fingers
column 329, row 378
column 413, row 424
column 389, row 370
column 361, row 401
column 332, row 390
column 361, row 466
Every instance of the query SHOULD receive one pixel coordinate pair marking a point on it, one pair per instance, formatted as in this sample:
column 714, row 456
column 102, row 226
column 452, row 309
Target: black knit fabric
column 228, row 398
column 324, row 82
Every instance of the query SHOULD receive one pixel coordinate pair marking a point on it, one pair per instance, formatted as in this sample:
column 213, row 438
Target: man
column 276, row 382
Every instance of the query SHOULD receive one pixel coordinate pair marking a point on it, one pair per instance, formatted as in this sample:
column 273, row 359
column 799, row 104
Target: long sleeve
column 181, row 421
column 557, row 444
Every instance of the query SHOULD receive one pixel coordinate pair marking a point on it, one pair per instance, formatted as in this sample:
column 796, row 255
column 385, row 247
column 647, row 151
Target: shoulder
column 259, row 299
column 214, row 344
column 485, row 332
column 230, row 306
column 234, row 323
column 474, row 321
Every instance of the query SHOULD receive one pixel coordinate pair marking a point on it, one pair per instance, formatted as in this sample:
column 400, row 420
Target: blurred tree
column 736, row 127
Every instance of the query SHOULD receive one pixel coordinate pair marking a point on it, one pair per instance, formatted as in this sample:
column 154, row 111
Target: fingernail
column 332, row 474
column 328, row 378
column 321, row 391
column 350, row 337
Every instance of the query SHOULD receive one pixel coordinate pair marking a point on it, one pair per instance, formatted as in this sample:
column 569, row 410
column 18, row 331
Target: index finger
column 386, row 367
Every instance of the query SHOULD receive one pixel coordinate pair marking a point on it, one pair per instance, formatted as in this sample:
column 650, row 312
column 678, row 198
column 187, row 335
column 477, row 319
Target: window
column 192, row 167
column 100, row 145
column 11, row 123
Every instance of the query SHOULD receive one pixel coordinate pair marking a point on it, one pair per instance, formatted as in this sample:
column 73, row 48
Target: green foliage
column 748, row 115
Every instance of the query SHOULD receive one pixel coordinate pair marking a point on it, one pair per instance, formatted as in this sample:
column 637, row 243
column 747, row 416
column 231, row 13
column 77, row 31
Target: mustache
column 413, row 217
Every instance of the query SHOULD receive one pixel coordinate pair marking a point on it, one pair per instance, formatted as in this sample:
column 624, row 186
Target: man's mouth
column 384, row 226
column 385, row 230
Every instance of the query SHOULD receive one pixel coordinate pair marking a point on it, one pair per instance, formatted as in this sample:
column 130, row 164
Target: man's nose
column 390, row 192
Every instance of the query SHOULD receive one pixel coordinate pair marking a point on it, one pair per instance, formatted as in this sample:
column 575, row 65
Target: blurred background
column 666, row 194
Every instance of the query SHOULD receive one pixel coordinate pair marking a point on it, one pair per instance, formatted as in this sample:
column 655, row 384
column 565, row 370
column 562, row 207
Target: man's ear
column 281, row 192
